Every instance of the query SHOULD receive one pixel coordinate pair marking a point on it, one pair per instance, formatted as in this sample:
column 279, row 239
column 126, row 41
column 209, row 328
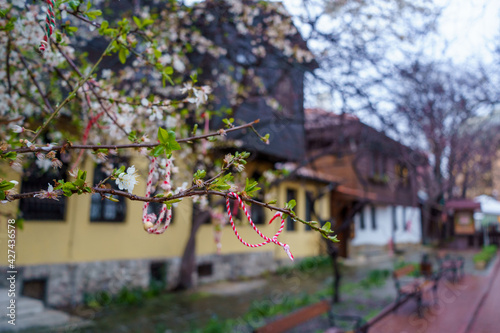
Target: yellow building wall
column 302, row 242
column 78, row 240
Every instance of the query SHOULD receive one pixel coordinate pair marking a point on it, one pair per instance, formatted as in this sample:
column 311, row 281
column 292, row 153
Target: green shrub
column 309, row 264
column 486, row 253
column 490, row 249
column 375, row 278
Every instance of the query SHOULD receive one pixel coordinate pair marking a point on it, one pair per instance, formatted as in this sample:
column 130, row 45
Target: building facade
column 374, row 199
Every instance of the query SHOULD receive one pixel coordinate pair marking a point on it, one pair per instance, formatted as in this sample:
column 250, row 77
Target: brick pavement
column 487, row 319
column 468, row 306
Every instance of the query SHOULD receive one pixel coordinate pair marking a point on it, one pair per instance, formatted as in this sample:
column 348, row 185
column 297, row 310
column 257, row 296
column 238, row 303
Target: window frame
column 291, row 194
column 120, row 206
column 373, row 217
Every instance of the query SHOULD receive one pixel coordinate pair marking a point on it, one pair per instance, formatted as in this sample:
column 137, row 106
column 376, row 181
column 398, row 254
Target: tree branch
column 180, row 195
column 69, row 146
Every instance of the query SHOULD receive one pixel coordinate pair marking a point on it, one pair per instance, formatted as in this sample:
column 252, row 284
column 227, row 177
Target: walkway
column 487, row 319
column 31, row 313
column 470, row 306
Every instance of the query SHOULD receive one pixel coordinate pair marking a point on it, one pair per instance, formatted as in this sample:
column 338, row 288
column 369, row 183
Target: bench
column 307, row 313
column 414, row 288
column 451, row 266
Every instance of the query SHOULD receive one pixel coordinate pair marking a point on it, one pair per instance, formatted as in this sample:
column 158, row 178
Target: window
column 257, row 212
column 35, row 288
column 362, row 219
column 158, row 273
column 290, row 195
column 374, row 217
column 401, row 172
column 309, row 207
column 205, row 269
column 104, row 210
column 394, row 219
column 37, row 177
column 378, row 165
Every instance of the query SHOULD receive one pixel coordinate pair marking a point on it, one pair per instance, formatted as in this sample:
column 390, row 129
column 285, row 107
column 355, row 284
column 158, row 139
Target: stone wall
column 66, row 284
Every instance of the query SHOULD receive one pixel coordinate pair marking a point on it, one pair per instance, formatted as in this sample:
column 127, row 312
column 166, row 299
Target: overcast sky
column 469, row 28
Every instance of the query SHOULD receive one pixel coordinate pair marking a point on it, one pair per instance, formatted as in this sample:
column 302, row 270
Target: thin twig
column 69, row 146
column 73, row 93
column 44, row 97
column 77, row 70
column 7, row 63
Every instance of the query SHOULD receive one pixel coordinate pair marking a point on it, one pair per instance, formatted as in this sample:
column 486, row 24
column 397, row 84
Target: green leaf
column 138, row 22
column 222, row 183
column 5, row 185
column 291, row 204
column 163, row 135
column 79, row 183
column 174, row 201
column 200, row 174
column 92, row 14
column 122, row 55
column 116, row 173
column 147, row 22
column 272, row 202
column 82, row 175
column 133, row 136
column 11, row 155
column 158, row 150
column 169, row 70
column 251, row 187
column 174, row 145
column 326, row 227
column 333, row 238
column 73, row 4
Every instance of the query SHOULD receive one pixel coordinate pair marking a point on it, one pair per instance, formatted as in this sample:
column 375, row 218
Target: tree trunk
column 464, row 185
column 334, row 255
column 188, row 261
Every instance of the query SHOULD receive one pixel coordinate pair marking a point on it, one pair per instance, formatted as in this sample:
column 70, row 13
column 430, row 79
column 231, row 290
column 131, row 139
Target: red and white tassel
column 150, row 222
column 267, row 240
column 50, row 25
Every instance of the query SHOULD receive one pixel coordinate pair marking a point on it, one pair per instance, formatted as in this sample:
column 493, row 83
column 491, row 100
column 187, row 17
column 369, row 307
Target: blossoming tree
column 75, row 85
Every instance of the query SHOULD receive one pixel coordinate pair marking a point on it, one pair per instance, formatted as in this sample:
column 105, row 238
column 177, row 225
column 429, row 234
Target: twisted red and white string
column 267, row 240
column 50, row 25
column 152, row 224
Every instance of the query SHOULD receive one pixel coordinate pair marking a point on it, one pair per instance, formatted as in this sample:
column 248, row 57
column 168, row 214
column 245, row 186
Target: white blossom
column 127, row 181
column 187, row 88
column 44, row 164
column 181, row 188
column 17, row 128
column 200, row 96
column 49, row 194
